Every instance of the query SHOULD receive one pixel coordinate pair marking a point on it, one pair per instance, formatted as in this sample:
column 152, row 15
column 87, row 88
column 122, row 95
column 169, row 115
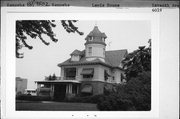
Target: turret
column 95, row 45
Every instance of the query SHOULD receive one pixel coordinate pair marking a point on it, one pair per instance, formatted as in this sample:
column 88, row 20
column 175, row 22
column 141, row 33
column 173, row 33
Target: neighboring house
column 88, row 72
column 21, row 85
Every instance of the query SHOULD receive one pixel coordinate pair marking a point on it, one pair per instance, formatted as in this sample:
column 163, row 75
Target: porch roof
column 59, row 81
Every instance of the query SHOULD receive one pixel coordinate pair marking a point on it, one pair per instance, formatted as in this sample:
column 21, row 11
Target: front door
column 59, row 91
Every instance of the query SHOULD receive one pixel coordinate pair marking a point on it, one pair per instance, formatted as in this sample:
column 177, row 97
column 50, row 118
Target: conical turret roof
column 95, row 32
column 96, row 36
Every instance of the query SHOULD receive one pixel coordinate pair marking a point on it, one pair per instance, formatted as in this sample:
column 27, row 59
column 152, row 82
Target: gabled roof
column 115, row 57
column 76, row 52
column 112, row 59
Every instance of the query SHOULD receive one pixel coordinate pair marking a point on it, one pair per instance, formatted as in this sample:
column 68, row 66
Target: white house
column 88, row 72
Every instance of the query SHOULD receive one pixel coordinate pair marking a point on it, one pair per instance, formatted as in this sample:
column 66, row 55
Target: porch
column 58, row 89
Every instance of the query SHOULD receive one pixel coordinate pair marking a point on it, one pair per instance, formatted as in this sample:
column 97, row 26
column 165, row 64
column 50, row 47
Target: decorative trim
column 94, row 42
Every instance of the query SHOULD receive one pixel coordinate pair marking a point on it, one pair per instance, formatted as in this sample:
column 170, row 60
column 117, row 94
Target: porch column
column 38, row 88
column 52, row 91
column 70, row 88
column 62, row 73
column 67, row 88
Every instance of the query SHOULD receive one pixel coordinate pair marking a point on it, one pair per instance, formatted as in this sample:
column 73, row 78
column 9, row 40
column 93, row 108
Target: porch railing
column 61, row 78
column 67, row 78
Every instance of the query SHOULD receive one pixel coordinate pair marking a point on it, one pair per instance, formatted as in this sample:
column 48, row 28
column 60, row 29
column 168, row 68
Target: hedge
column 33, row 98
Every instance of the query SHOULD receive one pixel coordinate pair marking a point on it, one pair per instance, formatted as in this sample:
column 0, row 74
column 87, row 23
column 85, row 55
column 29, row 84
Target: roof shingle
column 112, row 59
column 76, row 52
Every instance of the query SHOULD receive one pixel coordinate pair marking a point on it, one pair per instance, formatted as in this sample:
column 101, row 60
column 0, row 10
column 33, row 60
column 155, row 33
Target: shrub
column 33, row 98
column 115, row 102
column 86, row 99
column 135, row 95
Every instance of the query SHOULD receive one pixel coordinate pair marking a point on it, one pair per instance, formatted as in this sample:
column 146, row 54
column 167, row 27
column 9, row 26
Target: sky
column 42, row 60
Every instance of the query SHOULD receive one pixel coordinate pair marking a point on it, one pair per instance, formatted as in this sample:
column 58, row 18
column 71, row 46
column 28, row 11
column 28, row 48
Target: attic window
column 91, row 38
column 75, row 57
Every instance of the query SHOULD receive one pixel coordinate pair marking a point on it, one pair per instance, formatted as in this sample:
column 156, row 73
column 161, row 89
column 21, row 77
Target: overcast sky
column 42, row 60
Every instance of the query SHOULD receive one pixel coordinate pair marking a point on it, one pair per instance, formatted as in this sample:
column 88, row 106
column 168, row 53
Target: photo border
column 8, row 57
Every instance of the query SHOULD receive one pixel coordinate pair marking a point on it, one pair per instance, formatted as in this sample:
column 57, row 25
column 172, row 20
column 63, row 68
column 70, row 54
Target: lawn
column 54, row 106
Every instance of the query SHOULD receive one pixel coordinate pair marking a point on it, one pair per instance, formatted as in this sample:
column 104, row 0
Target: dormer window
column 75, row 57
column 91, row 39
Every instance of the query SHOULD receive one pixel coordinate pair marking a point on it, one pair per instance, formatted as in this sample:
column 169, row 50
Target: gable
column 115, row 57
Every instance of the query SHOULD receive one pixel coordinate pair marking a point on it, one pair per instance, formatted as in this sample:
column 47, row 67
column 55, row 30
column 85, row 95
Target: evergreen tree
column 138, row 61
column 54, row 77
column 50, row 77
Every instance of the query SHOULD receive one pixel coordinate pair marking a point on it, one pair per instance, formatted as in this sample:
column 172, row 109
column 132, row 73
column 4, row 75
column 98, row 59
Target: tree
column 54, row 77
column 137, row 61
column 136, row 93
column 134, row 96
column 50, row 77
column 37, row 28
column 139, row 89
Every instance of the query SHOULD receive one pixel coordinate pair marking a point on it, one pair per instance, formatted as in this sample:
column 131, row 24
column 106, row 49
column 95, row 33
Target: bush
column 86, row 99
column 135, row 95
column 115, row 102
column 33, row 98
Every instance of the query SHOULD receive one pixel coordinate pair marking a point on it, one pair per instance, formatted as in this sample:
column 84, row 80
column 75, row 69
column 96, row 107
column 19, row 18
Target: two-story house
column 88, row 72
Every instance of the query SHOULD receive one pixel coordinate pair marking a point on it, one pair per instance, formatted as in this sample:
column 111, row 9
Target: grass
column 54, row 106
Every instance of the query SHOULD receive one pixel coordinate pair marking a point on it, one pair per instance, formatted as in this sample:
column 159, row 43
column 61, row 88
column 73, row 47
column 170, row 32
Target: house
column 21, row 85
column 89, row 72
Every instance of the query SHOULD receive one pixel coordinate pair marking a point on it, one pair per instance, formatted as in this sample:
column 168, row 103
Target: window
column 70, row 73
column 87, row 76
column 87, row 73
column 90, row 51
column 106, row 75
column 87, row 90
column 91, row 39
column 113, row 78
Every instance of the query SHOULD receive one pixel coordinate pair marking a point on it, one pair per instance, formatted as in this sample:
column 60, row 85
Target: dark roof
column 115, row 57
column 97, row 33
column 76, row 52
column 112, row 59
column 97, row 37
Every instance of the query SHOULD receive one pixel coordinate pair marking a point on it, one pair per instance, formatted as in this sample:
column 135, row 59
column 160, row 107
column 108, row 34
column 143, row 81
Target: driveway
column 54, row 106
